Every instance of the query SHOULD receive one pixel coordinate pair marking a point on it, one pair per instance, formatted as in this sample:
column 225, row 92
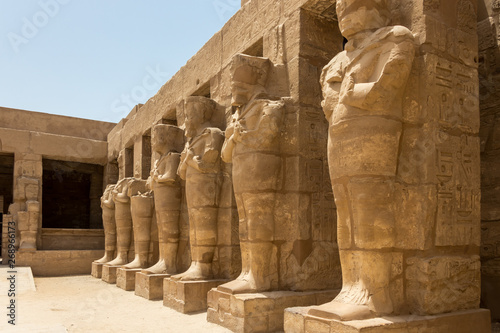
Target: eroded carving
column 201, row 168
column 109, row 224
column 168, row 142
column 252, row 146
column 363, row 88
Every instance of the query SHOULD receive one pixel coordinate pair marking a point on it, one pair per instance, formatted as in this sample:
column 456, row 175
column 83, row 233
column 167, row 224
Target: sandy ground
column 86, row 304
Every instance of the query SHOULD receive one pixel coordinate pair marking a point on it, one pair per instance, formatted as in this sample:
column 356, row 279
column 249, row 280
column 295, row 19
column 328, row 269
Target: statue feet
column 159, row 268
column 196, row 272
column 120, row 260
column 135, row 264
column 245, row 283
column 107, row 258
column 342, row 311
column 355, row 302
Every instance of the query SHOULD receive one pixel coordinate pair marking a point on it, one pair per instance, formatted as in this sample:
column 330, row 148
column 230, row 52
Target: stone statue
column 252, row 145
column 363, row 88
column 123, row 218
column 201, row 168
column 168, row 142
column 108, row 221
column 142, row 210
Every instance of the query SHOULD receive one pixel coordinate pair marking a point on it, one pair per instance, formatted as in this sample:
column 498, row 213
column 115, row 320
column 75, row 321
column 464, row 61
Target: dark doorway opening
column 71, row 195
column 6, row 186
column 6, row 181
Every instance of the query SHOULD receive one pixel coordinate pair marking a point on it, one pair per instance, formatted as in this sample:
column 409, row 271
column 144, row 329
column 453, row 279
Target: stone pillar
column 142, row 157
column 126, row 163
column 489, row 98
column 26, row 208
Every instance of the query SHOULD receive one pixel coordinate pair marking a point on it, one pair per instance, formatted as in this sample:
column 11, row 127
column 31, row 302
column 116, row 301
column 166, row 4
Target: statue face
column 356, row 17
column 241, row 93
column 159, row 140
column 157, row 143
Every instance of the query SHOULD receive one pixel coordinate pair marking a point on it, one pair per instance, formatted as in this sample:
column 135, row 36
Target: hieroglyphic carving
column 467, row 17
column 458, row 196
column 431, row 4
column 457, row 96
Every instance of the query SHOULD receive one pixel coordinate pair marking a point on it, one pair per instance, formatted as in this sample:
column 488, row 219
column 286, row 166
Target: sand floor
column 86, row 304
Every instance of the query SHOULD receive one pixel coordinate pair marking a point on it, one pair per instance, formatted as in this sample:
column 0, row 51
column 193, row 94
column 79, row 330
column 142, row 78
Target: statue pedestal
column 97, row 270
column 188, row 296
column 150, row 286
column 477, row 321
column 259, row 312
column 109, row 273
column 125, row 278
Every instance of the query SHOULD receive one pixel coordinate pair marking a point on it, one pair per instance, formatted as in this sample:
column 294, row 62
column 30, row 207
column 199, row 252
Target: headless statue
column 252, row 145
column 168, row 142
column 201, row 168
column 142, row 210
column 363, row 88
column 109, row 224
column 123, row 218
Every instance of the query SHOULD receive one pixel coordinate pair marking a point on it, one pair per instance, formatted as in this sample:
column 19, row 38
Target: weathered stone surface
column 125, row 278
column 109, row 273
column 296, row 320
column 109, row 223
column 167, row 142
column 443, row 284
column 150, row 286
column 200, row 167
column 58, row 263
column 258, row 312
column 187, row 296
column 96, row 270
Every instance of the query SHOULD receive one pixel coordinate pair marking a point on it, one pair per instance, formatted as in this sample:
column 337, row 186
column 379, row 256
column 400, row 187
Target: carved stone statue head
column 199, row 110
column 357, row 16
column 167, row 138
column 248, row 77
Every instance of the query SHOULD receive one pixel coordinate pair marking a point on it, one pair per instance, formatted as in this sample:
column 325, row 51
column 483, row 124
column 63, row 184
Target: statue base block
column 109, row 273
column 125, row 278
column 259, row 312
column 97, row 270
column 150, row 286
column 188, row 296
column 477, row 321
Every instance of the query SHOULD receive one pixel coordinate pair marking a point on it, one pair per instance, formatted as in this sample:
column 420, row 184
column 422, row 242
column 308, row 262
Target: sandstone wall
column 489, row 79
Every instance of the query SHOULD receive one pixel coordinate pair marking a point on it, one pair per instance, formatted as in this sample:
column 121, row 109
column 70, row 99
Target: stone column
column 489, row 94
column 26, row 208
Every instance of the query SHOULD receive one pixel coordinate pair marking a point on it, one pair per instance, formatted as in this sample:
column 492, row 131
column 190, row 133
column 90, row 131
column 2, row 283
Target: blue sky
column 94, row 58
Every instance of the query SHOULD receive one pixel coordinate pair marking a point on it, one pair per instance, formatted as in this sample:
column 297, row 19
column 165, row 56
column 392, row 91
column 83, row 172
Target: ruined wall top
column 54, row 124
